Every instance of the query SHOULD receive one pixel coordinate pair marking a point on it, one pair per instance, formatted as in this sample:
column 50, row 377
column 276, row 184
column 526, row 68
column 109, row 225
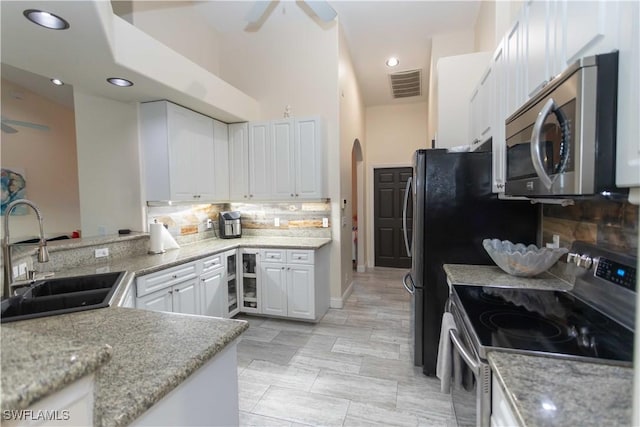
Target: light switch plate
column 325, row 222
column 276, row 222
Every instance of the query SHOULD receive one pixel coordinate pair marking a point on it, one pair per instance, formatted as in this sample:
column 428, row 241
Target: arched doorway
column 357, row 207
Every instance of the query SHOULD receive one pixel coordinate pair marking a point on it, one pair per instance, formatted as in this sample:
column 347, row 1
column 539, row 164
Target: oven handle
column 546, row 181
column 473, row 364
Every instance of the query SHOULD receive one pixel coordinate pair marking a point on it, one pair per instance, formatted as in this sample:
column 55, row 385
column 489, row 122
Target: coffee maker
column 229, row 224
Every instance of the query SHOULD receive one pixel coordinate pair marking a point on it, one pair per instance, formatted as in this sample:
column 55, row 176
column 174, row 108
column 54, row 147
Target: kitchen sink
column 51, row 297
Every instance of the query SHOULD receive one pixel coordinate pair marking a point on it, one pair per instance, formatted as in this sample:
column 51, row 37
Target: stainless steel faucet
column 43, row 253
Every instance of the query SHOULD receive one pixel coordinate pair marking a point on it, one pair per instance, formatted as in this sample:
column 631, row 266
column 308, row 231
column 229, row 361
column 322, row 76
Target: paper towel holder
column 155, row 247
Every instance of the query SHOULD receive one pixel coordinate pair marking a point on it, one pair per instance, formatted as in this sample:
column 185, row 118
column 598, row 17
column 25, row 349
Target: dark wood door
column 389, row 189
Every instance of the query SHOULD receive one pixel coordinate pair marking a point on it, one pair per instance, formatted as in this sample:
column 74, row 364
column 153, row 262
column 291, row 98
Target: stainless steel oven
column 471, row 378
column 594, row 322
column 562, row 141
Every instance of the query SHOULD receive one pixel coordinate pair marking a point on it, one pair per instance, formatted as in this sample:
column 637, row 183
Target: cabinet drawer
column 299, row 257
column 165, row 278
column 211, row 263
column 272, row 255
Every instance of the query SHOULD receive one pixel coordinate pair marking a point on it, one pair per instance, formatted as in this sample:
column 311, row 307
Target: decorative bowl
column 520, row 260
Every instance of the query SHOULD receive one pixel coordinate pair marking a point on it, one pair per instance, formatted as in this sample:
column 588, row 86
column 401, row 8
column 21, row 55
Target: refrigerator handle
column 411, row 289
column 407, row 192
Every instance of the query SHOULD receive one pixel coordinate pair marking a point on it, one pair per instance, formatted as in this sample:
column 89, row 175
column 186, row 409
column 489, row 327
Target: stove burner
column 523, row 326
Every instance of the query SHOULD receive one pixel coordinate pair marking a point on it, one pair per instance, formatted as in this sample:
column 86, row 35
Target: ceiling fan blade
column 322, row 10
column 7, row 128
column 25, row 124
column 257, row 11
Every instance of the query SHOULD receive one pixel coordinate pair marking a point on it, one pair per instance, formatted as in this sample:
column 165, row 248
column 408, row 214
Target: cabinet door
column 221, row 159
column 213, row 295
column 486, row 101
column 498, row 109
column 282, row 169
column 203, row 159
column 239, row 161
column 300, row 291
column 157, row 301
column 260, row 160
column 274, row 289
column 183, row 141
column 185, row 297
column 474, row 116
column 309, row 158
column 539, row 49
column 515, row 69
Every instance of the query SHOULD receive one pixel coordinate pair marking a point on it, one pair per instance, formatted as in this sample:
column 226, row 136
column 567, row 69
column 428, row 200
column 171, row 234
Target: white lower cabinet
column 287, row 289
column 181, row 298
column 213, row 293
column 501, row 413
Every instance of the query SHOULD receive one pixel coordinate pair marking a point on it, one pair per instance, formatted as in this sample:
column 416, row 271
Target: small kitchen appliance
column 229, row 224
column 594, row 322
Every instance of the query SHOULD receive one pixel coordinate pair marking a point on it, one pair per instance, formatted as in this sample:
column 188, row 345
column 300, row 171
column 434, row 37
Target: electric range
column 593, row 322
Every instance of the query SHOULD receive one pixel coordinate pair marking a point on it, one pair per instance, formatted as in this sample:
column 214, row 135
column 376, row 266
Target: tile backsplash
column 187, row 223
column 601, row 222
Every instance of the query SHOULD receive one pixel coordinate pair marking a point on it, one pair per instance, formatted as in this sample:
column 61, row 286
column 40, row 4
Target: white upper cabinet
column 284, row 160
column 628, row 143
column 499, row 111
column 179, row 154
column 539, row 44
column 282, row 152
column 309, row 159
column 239, row 161
column 515, row 67
column 260, row 160
column 221, row 160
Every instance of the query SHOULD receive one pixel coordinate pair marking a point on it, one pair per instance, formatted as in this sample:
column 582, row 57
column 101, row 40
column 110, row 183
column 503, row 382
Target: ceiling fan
column 5, row 125
column 261, row 10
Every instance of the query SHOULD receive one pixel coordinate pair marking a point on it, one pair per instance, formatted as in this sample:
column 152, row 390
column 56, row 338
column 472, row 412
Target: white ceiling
column 374, row 31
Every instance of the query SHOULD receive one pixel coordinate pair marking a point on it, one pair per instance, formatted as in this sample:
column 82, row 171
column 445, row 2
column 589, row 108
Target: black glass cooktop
column 543, row 321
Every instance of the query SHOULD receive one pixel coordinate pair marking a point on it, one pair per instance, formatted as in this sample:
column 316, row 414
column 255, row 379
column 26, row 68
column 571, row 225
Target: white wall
column 42, row 155
column 485, row 30
column 458, row 76
column 352, row 127
column 291, row 60
column 108, row 165
column 393, row 134
column 444, row 45
column 178, row 25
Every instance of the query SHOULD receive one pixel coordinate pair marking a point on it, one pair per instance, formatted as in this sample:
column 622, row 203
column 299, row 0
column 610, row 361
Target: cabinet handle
column 250, row 195
column 288, row 268
column 245, row 196
column 175, row 276
column 177, row 290
column 296, row 194
column 170, row 292
column 283, row 268
column 291, row 194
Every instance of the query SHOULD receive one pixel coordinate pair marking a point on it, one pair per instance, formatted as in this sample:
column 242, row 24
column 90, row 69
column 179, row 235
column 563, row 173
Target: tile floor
column 353, row 368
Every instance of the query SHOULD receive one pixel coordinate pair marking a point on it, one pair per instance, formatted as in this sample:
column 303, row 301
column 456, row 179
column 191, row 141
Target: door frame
column 371, row 244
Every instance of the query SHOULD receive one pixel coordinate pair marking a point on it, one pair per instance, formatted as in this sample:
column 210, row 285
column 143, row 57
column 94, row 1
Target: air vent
column 406, row 83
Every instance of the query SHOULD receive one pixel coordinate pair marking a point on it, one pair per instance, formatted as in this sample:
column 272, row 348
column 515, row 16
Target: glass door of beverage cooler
column 250, row 295
column 233, row 306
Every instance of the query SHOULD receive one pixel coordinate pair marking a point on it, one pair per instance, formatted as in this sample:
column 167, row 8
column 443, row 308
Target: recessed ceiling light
column 392, row 62
column 120, row 82
column 57, row 82
column 46, row 19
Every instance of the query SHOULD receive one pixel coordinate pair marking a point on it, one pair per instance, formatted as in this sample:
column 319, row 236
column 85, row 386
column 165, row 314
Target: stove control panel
column 617, row 273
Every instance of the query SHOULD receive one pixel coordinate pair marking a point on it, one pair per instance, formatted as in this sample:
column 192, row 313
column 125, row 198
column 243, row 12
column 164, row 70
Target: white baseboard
column 361, row 268
column 339, row 302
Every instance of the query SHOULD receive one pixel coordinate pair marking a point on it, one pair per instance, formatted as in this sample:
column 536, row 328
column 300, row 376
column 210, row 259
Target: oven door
column 470, row 382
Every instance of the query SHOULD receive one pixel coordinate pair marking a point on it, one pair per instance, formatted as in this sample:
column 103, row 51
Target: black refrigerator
column 453, row 211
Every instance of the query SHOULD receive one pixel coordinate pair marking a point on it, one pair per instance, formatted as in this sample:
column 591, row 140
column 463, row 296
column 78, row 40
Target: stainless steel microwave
column 562, row 141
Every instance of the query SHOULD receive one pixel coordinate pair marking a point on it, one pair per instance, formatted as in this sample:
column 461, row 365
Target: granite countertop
column 25, row 353
column 147, row 361
column 544, row 391
column 130, row 382
column 491, row 275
